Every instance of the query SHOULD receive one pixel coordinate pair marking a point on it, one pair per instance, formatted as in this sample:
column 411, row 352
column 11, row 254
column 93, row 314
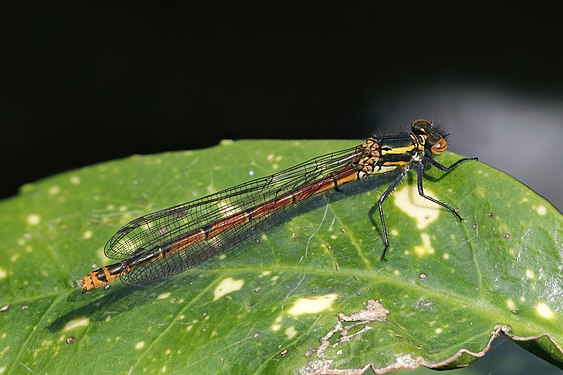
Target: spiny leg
column 420, row 172
column 443, row 167
column 380, row 208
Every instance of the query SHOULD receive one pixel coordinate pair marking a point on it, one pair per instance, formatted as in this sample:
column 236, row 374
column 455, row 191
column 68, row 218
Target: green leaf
column 301, row 297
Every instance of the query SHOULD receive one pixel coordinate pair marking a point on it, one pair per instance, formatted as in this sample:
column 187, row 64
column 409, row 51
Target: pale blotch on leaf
column 530, row 274
column 76, row 323
column 33, row 219
column 290, row 332
column 227, row 286
column 87, row 235
column 3, row 273
column 140, row 345
column 541, row 210
column 163, row 295
column 277, row 324
column 312, row 305
column 544, row 311
column 75, row 180
column 510, row 304
column 426, row 248
column 54, row 190
column 417, row 207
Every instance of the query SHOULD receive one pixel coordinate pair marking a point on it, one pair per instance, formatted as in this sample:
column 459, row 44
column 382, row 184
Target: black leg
column 380, row 208
column 443, row 167
column 420, row 172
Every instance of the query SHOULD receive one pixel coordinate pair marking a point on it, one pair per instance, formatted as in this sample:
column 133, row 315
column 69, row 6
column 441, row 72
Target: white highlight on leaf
column 227, row 286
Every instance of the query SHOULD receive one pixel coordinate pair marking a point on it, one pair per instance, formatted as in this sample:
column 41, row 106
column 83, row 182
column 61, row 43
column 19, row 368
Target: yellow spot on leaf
column 75, row 180
column 312, row 305
column 87, row 235
column 3, row 273
column 530, row 274
column 140, row 345
column 227, row 286
column 163, row 295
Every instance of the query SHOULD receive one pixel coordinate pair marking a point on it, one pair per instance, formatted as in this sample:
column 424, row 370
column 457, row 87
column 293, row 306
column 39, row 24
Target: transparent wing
column 166, row 225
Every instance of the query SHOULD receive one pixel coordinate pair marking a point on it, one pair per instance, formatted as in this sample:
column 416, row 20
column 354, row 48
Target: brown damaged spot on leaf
column 462, row 358
column 374, row 312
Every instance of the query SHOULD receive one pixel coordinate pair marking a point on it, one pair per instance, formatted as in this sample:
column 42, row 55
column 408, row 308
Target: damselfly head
column 435, row 139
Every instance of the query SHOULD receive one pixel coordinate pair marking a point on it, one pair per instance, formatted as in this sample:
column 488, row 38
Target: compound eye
column 421, row 126
column 439, row 147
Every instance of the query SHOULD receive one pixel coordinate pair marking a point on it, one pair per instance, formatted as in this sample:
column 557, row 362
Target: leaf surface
column 307, row 295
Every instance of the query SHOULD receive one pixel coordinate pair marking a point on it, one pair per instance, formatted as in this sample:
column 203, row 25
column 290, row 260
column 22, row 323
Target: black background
column 85, row 83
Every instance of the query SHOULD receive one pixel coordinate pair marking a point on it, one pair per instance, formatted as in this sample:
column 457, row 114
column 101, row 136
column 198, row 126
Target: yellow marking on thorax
column 398, row 150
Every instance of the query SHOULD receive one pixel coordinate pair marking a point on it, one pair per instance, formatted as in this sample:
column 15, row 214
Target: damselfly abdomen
column 174, row 239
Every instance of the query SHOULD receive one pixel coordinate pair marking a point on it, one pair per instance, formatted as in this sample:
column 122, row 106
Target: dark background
column 81, row 84
column 85, row 83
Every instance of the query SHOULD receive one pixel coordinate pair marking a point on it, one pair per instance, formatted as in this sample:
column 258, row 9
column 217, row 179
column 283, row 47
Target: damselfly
column 174, row 239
